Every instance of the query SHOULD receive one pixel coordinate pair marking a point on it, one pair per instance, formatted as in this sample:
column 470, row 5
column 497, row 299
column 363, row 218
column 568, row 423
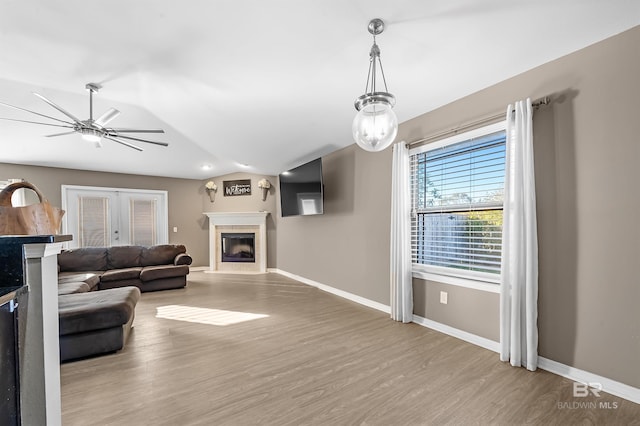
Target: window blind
column 94, row 222
column 457, row 195
column 142, row 221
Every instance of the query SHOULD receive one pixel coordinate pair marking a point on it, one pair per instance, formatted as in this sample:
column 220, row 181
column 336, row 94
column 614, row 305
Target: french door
column 104, row 217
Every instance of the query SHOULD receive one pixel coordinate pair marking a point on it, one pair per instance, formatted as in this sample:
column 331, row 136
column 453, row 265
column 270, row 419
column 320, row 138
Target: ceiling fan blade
column 139, row 140
column 68, row 114
column 38, row 122
column 60, row 134
column 137, row 130
column 107, row 117
column 111, row 138
column 33, row 112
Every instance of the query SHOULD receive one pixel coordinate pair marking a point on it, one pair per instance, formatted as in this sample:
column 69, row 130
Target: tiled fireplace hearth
column 251, row 226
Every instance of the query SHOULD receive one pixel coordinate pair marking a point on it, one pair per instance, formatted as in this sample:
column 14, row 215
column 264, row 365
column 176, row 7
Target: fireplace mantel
column 227, row 220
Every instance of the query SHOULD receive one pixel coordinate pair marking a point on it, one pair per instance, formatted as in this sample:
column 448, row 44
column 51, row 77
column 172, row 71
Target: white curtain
column 401, row 290
column 519, row 285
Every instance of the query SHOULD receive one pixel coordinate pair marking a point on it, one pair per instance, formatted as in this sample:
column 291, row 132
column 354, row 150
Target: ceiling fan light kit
column 375, row 126
column 90, row 130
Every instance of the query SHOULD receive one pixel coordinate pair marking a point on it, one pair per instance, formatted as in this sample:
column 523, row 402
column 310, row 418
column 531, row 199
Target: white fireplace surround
column 237, row 222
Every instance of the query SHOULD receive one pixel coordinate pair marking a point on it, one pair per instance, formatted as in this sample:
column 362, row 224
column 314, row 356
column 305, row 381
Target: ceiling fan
column 91, row 130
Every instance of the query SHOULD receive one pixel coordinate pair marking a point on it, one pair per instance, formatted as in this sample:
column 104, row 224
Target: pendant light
column 375, row 125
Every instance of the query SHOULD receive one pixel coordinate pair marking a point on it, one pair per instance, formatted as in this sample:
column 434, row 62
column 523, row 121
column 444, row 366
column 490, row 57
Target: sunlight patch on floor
column 205, row 315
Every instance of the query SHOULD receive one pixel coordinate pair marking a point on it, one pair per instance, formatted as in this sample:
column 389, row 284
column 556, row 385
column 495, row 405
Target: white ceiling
column 269, row 84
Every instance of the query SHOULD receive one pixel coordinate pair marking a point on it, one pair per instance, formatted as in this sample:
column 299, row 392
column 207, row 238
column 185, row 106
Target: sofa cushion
column 90, row 278
column 124, row 256
column 161, row 254
column 121, row 274
column 96, row 310
column 150, row 273
column 83, row 259
column 104, row 285
column 73, row 287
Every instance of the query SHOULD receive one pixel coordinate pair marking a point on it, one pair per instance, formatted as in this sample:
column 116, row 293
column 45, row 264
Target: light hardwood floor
column 312, row 358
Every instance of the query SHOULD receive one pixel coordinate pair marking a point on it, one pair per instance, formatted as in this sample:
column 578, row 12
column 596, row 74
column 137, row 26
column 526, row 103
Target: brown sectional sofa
column 98, row 288
column 152, row 268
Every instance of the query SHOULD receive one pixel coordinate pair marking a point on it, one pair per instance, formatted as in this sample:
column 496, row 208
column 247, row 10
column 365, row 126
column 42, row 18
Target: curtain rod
column 475, row 124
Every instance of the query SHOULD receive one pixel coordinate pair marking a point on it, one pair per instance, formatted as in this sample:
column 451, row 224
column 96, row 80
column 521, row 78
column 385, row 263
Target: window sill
column 458, row 281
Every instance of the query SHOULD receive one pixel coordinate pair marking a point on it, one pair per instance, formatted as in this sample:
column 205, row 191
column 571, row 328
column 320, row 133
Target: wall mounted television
column 301, row 190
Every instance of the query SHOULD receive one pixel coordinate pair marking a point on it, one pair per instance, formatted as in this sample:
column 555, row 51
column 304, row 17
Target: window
column 457, row 187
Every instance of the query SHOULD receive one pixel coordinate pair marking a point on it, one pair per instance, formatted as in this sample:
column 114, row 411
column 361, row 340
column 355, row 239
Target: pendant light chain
column 374, row 54
column 384, row 80
column 366, row 88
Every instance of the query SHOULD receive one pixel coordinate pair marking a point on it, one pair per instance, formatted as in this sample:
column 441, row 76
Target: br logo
column 580, row 390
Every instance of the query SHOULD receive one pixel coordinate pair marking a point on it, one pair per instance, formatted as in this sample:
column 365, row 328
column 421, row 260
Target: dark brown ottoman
column 95, row 322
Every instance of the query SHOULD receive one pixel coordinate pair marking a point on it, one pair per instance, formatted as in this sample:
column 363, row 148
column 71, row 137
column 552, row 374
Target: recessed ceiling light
column 206, row 167
column 244, row 165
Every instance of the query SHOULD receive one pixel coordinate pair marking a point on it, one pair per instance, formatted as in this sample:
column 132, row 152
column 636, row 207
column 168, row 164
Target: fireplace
column 238, row 247
column 238, row 223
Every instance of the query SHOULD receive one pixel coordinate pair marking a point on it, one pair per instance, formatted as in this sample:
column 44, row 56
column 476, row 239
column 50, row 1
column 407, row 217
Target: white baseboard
column 609, row 386
column 612, row 387
column 207, row 270
column 332, row 290
column 460, row 334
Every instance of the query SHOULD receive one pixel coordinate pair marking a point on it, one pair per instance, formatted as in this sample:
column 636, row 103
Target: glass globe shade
column 375, row 126
column 91, row 136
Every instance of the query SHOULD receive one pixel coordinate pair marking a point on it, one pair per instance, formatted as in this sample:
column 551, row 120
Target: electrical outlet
column 175, row 229
column 444, row 296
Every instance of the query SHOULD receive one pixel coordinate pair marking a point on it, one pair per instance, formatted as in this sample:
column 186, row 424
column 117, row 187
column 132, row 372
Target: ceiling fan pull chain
column 90, row 106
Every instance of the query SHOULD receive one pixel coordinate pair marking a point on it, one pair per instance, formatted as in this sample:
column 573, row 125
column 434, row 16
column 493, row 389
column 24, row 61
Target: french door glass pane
column 93, row 223
column 142, row 221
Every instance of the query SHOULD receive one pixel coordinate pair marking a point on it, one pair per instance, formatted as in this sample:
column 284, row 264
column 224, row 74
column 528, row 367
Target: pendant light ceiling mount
column 376, row 26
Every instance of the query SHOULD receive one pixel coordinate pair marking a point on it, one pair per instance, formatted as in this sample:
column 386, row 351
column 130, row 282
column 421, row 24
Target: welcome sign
column 236, row 187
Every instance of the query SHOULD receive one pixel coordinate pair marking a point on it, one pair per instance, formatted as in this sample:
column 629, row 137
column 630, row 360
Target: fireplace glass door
column 238, row 247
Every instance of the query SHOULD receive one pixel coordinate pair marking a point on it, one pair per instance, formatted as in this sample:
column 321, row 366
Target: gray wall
column 185, row 198
column 247, row 203
column 474, row 311
column 586, row 154
column 348, row 246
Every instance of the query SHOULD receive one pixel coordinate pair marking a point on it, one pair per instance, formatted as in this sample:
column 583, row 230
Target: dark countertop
column 33, row 239
column 12, row 262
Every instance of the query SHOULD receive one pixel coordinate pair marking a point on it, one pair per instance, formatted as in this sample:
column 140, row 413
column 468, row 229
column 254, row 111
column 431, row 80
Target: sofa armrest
column 182, row 259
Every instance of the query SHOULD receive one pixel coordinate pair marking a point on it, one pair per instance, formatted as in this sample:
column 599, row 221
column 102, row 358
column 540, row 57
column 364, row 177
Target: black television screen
column 301, row 190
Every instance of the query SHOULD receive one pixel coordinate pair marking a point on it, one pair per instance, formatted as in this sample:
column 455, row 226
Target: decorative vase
column 264, row 193
column 212, row 195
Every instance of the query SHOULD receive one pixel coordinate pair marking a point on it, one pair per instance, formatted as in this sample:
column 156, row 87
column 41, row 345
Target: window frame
column 466, row 278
